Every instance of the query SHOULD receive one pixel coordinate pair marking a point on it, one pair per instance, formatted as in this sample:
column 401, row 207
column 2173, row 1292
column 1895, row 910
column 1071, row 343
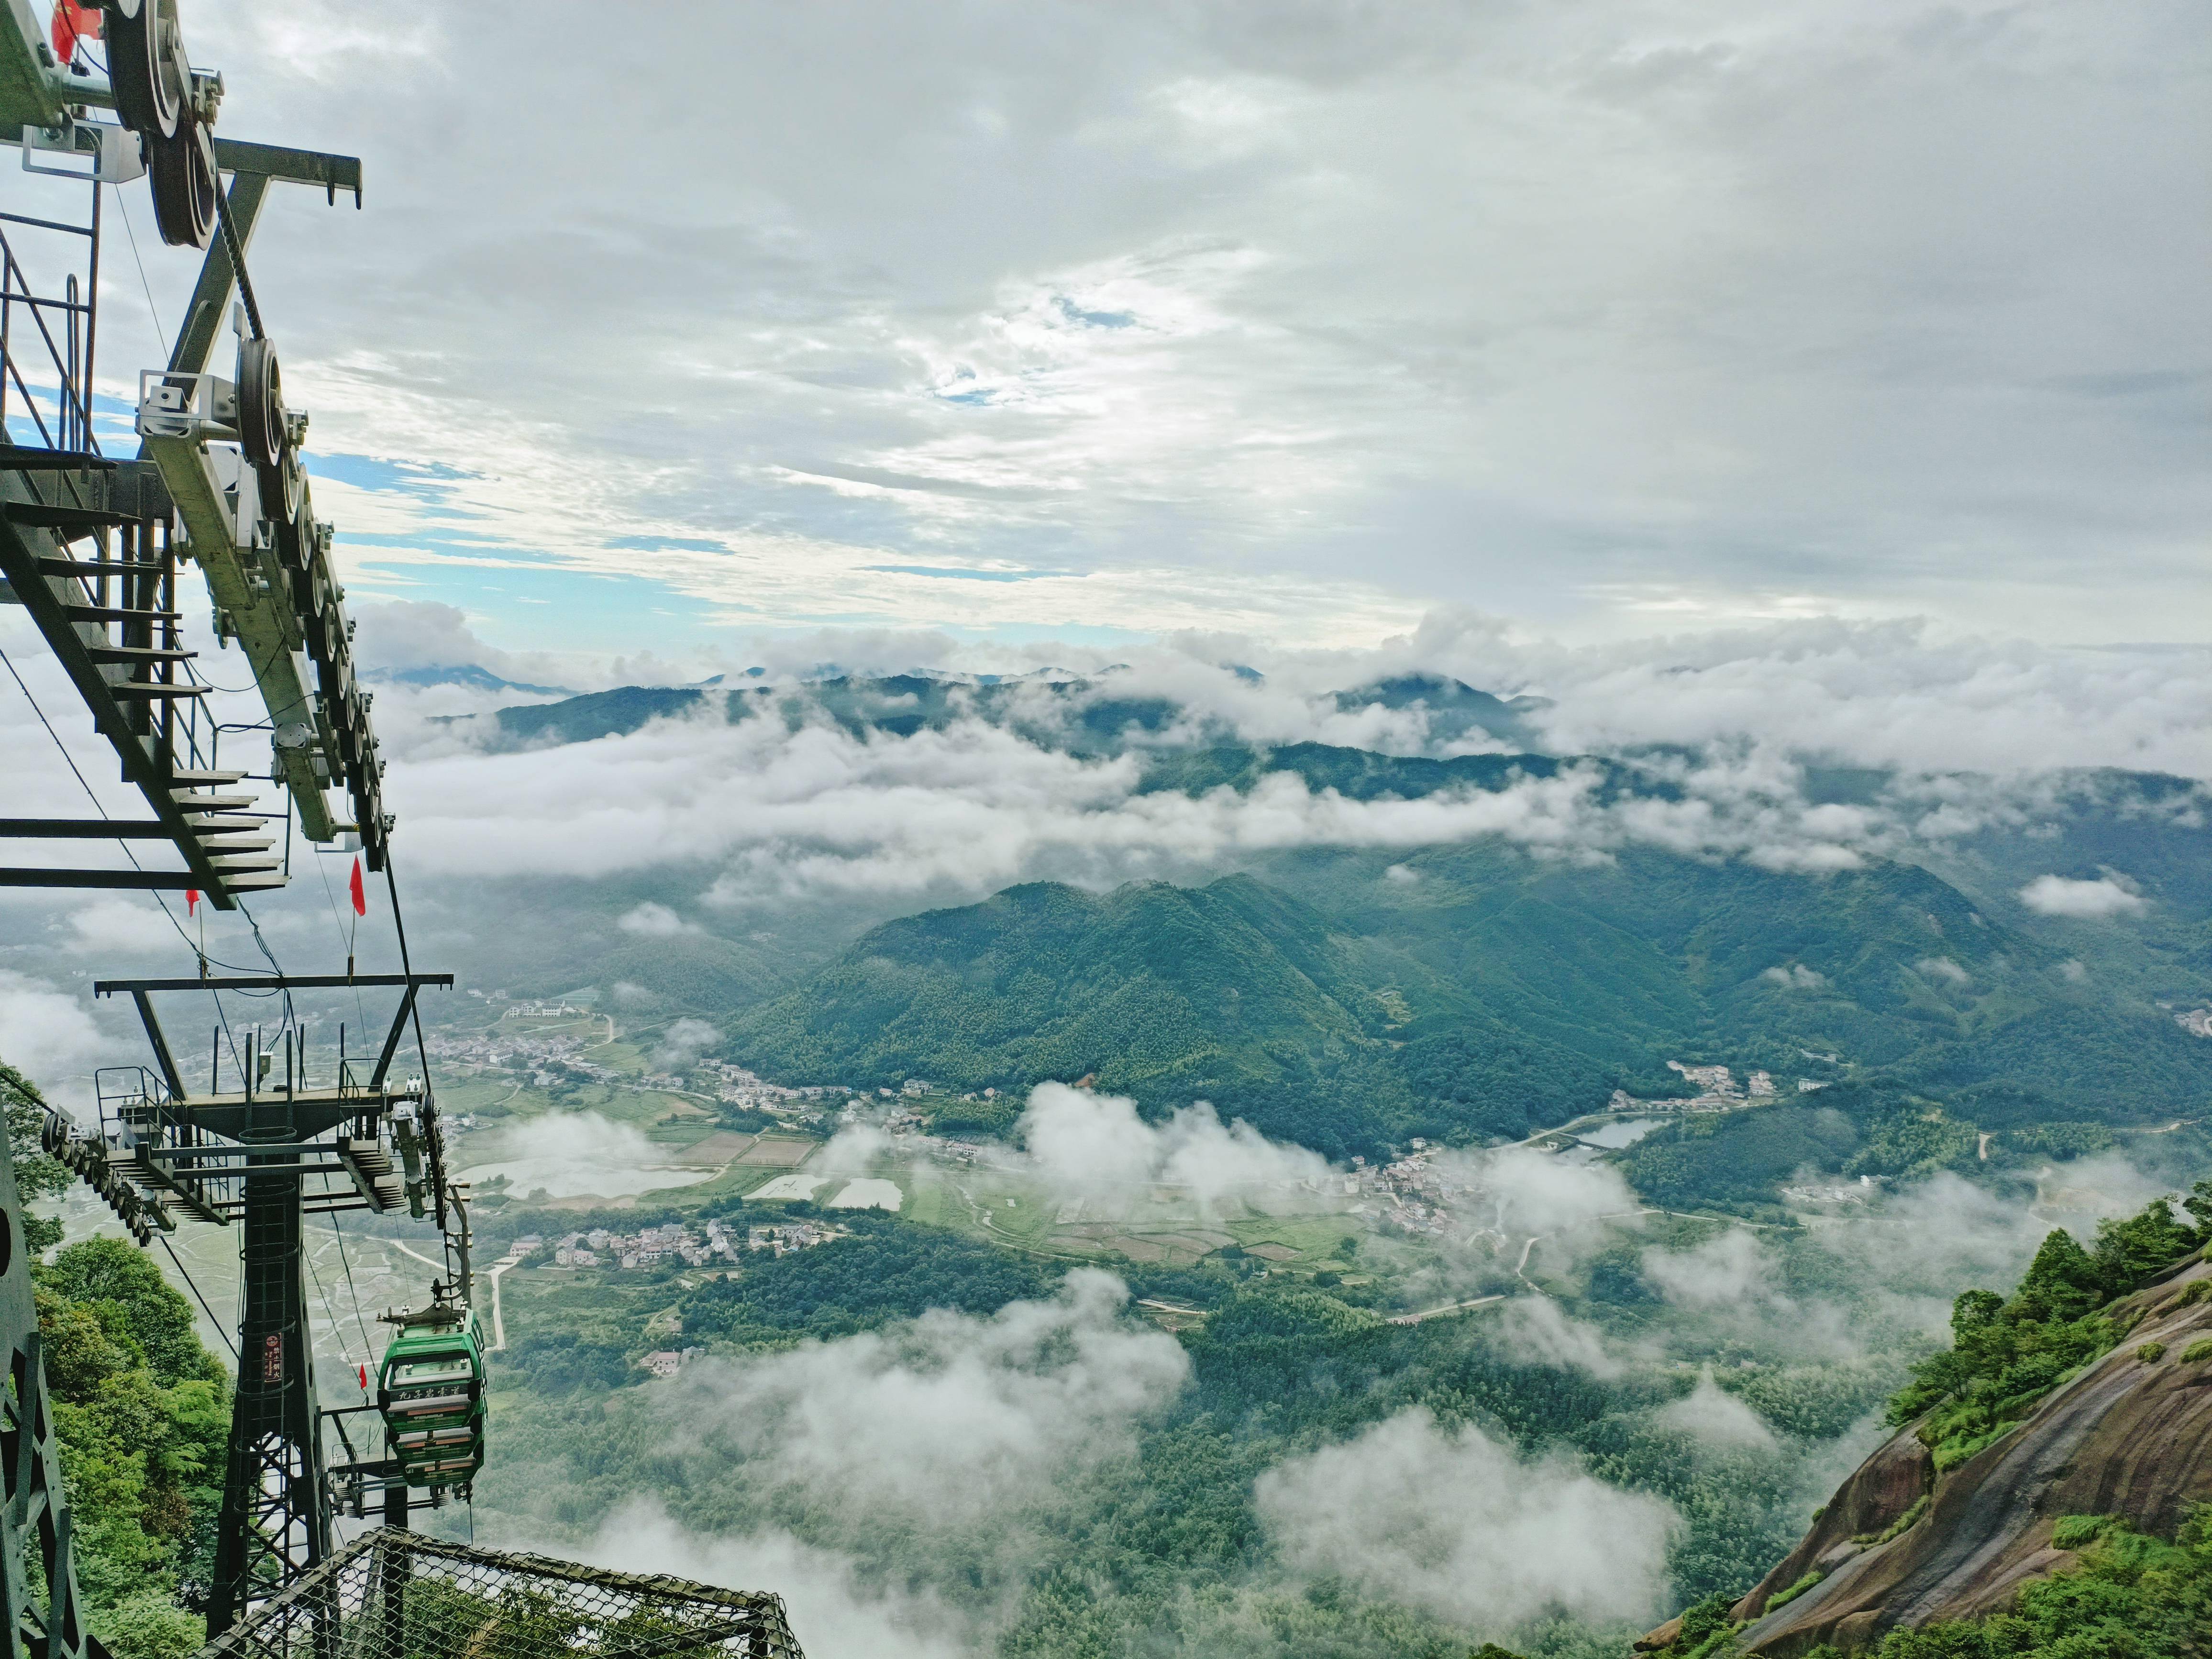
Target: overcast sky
column 1300, row 319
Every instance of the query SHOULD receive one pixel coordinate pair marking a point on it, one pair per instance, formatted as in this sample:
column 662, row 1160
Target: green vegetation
column 993, row 1118
column 1161, row 1544
column 560, row 1362
column 1736, row 1160
column 1492, row 996
column 1707, row 1631
column 1233, row 993
column 2072, row 1532
column 2059, row 1138
column 2006, row 1356
column 1905, row 1523
column 143, row 1414
column 2131, row 1594
column 887, row 1270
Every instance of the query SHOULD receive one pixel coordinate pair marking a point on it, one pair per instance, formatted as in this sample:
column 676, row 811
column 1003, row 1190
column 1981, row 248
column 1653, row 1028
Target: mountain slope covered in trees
column 1473, row 992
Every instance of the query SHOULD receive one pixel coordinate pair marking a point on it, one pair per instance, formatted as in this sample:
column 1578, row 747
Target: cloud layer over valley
column 920, row 1485
column 774, row 807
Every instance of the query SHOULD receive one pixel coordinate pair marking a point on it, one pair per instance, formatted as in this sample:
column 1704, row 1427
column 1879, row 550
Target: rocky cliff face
column 1901, row 1546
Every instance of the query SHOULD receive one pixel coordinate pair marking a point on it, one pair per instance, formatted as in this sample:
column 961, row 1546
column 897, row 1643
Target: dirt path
column 498, row 1313
column 1448, row 1308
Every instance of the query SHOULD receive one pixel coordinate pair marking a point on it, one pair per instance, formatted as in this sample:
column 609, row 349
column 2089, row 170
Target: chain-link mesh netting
column 392, row 1595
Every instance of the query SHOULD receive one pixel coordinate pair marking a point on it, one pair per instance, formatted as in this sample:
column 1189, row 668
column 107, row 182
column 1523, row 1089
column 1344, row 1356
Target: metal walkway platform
column 393, row 1595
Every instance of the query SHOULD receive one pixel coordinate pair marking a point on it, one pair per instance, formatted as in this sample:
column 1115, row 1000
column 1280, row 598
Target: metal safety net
column 394, row 1595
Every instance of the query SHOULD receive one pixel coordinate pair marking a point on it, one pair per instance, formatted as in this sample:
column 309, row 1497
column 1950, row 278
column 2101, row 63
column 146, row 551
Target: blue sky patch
column 668, row 544
column 947, row 574
column 425, row 481
column 1082, row 318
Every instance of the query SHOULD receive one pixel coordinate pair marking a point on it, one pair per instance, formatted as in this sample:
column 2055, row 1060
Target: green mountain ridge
column 1233, row 993
column 1492, row 994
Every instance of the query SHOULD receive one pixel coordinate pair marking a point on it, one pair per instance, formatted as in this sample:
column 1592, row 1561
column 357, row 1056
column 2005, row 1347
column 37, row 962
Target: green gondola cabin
column 430, row 1391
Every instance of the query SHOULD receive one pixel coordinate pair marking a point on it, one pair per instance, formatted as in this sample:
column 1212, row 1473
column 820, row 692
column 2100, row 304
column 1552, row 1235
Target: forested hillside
column 1471, row 993
column 142, row 1412
column 1232, row 992
column 1162, row 1545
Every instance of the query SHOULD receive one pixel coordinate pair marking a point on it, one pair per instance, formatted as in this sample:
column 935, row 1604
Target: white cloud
column 1536, row 1331
column 1894, row 1265
column 942, row 1421
column 1455, row 1523
column 838, row 1608
column 2095, row 901
column 1709, row 1412
column 1730, row 1268
column 1944, row 968
column 119, row 927
column 1530, row 1193
column 652, row 920
column 1909, row 695
column 1095, row 1146
column 47, row 1035
column 1917, row 1247
column 875, row 354
column 774, row 809
column 1734, row 1281
column 681, row 1042
column 854, row 1149
column 569, row 1154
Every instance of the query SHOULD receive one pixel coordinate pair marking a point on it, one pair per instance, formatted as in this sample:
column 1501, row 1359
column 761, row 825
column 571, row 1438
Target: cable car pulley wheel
column 145, row 67
column 184, row 186
column 261, row 415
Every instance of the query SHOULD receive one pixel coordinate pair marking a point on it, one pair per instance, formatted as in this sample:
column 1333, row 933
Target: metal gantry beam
column 266, row 562
column 111, row 622
column 249, row 527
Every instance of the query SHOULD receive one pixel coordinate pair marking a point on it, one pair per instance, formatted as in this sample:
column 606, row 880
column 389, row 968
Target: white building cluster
column 1718, row 1092
column 1414, row 1193
column 675, row 1242
column 649, row 1247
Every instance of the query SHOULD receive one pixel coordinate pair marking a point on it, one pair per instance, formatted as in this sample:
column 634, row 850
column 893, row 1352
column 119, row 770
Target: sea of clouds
column 960, row 1446
column 1716, row 733
column 1719, row 731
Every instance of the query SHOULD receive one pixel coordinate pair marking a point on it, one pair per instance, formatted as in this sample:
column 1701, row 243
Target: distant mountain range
column 468, row 674
column 1064, row 712
column 1350, row 1001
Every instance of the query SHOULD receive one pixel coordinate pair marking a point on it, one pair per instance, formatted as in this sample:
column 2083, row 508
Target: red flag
column 73, row 22
column 364, row 1379
column 192, row 901
column 360, row 894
